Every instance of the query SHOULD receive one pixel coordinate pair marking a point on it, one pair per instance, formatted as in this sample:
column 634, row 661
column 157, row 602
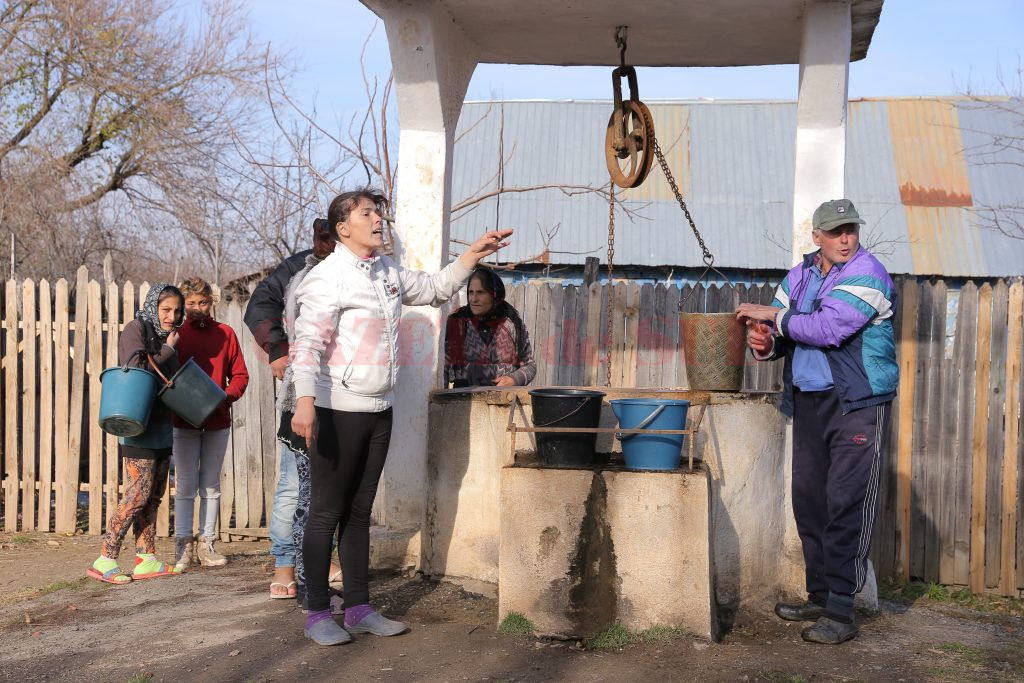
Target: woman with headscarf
column 486, row 342
column 147, row 457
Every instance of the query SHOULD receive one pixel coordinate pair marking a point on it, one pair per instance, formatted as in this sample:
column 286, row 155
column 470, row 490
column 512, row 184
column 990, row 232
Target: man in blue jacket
column 831, row 321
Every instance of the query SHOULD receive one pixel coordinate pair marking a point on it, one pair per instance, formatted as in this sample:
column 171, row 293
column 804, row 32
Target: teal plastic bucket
column 126, row 398
column 651, row 451
column 191, row 394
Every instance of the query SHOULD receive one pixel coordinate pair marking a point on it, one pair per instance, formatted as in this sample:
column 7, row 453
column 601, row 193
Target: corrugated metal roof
column 907, row 171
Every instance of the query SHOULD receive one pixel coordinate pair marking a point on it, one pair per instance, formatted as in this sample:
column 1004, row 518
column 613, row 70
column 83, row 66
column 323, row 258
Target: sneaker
column 208, row 557
column 184, row 552
column 377, row 624
column 828, row 631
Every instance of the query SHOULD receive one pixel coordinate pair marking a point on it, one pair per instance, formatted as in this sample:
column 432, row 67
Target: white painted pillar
column 820, row 114
column 433, row 61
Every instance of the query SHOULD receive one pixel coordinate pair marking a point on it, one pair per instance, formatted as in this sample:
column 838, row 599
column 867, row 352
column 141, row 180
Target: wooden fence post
column 1011, row 440
column 78, row 382
column 46, row 418
column 979, row 441
column 94, row 367
column 904, row 449
column 65, row 470
column 28, row 406
column 11, row 408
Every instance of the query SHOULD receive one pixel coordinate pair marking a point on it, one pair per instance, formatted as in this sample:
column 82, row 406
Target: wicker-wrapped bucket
column 714, row 346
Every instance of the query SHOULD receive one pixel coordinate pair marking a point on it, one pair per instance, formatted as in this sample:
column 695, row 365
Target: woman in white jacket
column 344, row 364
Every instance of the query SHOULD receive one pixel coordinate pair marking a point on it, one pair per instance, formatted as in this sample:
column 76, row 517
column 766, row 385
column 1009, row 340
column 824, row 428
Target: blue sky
column 938, row 51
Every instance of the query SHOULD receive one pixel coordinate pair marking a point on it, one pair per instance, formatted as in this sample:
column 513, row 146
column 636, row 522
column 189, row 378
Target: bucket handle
column 643, row 423
column 152, row 363
column 569, row 414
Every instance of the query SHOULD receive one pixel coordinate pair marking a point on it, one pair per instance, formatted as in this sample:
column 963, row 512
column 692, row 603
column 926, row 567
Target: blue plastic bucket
column 126, row 399
column 653, row 451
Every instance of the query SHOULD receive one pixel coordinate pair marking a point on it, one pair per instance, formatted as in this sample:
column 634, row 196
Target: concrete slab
column 582, row 550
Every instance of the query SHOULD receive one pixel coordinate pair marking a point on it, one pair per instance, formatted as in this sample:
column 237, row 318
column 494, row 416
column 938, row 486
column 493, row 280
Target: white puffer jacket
column 345, row 352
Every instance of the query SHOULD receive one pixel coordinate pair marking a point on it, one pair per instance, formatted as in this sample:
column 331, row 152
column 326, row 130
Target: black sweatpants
column 836, row 460
column 345, row 464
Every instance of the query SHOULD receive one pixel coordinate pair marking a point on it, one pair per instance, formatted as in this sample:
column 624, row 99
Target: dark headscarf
column 488, row 323
column 153, row 335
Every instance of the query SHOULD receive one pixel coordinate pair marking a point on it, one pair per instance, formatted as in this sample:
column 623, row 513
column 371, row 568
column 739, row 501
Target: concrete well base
column 582, row 550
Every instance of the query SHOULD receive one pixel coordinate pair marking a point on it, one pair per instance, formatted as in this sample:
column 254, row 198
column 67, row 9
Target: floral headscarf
column 148, row 316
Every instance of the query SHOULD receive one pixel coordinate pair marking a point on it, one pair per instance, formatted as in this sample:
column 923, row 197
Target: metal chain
column 709, row 259
column 609, row 287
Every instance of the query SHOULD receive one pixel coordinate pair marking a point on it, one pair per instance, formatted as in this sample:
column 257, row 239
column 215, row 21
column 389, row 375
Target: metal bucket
column 191, row 394
column 126, row 400
column 714, row 346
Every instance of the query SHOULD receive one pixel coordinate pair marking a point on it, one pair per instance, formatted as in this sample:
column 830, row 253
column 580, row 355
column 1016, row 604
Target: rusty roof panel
column 736, row 174
column 928, row 152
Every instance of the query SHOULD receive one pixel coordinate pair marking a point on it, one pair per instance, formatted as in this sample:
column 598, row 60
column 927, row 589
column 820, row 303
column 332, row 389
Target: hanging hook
column 621, row 33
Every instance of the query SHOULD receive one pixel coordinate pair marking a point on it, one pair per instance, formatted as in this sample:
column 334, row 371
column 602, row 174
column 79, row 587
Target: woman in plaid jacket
column 486, row 342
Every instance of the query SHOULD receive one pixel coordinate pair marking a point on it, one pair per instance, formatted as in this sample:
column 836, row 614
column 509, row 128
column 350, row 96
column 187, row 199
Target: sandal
column 289, row 587
column 148, row 567
column 114, row 575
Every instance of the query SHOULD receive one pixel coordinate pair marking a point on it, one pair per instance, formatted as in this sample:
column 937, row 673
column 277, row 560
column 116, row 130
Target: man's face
column 837, row 245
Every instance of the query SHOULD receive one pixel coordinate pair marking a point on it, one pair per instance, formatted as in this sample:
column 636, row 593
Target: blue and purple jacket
column 851, row 321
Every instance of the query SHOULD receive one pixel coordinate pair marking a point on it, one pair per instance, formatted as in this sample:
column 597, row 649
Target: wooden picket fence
column 957, row 414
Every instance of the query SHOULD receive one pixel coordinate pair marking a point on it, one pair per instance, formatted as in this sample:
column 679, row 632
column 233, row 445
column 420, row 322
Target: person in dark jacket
column 147, row 457
column 832, row 322
column 265, row 318
column 264, row 314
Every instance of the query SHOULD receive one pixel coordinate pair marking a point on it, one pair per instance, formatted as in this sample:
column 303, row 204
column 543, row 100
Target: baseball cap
column 835, row 212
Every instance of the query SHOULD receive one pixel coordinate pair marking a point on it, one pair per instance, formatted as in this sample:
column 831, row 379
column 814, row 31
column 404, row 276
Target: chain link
column 709, row 259
column 610, row 307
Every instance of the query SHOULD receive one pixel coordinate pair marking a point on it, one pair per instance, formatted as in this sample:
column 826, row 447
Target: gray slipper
column 379, row 625
column 327, row 632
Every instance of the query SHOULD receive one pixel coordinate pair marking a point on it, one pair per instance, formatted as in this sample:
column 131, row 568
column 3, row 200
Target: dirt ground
column 219, row 625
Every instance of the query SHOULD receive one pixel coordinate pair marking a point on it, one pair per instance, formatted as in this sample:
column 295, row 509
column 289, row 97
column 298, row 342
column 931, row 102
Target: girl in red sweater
column 199, row 453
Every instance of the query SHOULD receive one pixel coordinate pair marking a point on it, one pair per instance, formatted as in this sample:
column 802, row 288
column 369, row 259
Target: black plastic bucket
column 566, row 408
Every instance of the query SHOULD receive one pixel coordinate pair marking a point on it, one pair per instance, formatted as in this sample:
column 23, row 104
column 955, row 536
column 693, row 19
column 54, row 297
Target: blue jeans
column 282, row 514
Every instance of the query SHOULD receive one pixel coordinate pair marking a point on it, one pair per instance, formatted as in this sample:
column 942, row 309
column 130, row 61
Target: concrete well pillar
column 821, row 114
column 433, row 61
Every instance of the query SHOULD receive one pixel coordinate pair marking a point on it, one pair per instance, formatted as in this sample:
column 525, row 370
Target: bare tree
column 1000, row 146
column 114, row 112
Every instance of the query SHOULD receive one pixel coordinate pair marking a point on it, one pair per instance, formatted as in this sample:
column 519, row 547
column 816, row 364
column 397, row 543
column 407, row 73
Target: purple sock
column 353, row 615
column 314, row 618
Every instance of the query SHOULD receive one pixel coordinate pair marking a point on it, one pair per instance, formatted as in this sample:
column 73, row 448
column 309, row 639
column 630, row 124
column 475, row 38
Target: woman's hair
column 194, row 285
column 324, row 238
column 342, row 205
column 490, row 281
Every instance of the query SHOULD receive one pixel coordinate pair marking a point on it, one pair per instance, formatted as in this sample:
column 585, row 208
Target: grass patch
column 61, row 585
column 966, row 653
column 614, row 637
column 898, row 591
column 21, row 538
column 516, row 624
column 659, row 635
column 140, row 678
column 779, row 677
